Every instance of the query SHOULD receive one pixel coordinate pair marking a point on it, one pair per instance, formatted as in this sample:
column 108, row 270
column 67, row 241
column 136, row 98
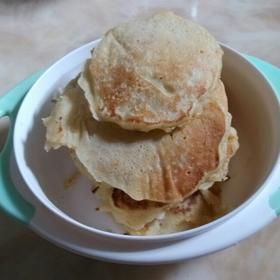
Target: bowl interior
column 255, row 111
column 251, row 102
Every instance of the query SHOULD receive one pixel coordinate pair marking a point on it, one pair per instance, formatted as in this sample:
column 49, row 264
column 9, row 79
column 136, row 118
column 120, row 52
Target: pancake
column 156, row 166
column 133, row 215
column 149, row 218
column 151, row 73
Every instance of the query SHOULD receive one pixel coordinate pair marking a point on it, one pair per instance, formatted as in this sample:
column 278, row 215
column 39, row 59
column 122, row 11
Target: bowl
column 252, row 101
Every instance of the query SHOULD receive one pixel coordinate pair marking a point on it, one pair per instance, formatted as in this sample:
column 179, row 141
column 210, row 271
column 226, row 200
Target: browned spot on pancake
column 118, row 91
column 124, row 201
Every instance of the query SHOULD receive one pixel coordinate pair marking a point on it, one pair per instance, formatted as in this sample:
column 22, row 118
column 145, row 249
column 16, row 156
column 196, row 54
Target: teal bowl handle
column 10, row 199
column 272, row 73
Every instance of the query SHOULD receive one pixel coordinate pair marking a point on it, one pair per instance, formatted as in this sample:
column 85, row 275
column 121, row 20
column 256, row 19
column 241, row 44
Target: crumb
column 60, row 118
column 95, row 189
column 228, row 178
column 71, row 180
column 53, row 100
column 216, row 189
column 97, row 209
column 126, row 233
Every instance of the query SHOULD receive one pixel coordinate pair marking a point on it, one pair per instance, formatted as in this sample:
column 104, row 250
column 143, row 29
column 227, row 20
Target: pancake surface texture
column 151, row 73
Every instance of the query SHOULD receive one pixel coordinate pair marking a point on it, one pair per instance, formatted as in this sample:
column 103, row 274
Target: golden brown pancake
column 156, row 166
column 151, row 73
column 150, row 218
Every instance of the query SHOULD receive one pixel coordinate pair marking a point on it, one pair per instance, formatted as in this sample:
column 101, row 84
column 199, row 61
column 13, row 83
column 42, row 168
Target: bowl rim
column 158, row 238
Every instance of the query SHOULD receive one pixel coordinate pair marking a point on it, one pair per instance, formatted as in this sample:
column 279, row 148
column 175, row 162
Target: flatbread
column 148, row 218
column 151, row 73
column 147, row 166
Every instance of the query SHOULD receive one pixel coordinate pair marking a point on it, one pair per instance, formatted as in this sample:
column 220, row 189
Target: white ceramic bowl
column 252, row 102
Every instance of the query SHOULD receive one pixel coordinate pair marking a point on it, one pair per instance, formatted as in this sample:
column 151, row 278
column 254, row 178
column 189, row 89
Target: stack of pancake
column 147, row 121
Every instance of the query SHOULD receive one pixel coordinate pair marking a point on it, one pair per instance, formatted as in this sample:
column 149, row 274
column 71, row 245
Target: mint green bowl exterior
column 10, row 199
